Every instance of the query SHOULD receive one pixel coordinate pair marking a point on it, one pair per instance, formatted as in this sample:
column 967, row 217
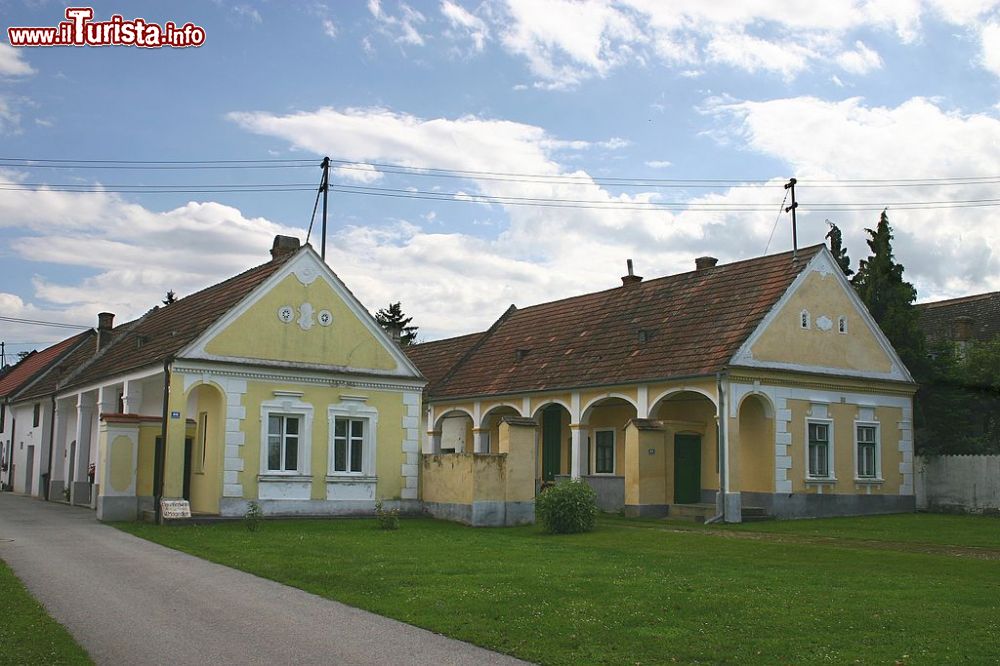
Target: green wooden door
column 551, row 441
column 687, row 469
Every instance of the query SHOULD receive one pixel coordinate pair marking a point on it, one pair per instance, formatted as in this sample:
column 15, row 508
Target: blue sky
column 564, row 95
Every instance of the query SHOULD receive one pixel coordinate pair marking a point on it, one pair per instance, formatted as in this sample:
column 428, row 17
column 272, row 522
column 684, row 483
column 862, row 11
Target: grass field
column 641, row 592
column 27, row 634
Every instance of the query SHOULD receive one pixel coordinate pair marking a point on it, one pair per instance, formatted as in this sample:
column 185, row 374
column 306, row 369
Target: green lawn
column 645, row 592
column 27, row 634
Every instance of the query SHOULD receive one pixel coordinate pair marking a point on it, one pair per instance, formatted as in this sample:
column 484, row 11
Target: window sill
column 816, row 481
column 278, row 477
column 870, row 482
column 350, row 478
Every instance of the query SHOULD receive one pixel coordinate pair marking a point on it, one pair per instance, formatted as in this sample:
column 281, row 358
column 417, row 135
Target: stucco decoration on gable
column 324, row 317
column 824, row 323
column 286, row 313
column 305, row 271
column 306, row 316
column 822, row 265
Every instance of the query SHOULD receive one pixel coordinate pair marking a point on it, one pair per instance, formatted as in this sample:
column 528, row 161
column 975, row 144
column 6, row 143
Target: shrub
column 387, row 519
column 567, row 507
column 253, row 517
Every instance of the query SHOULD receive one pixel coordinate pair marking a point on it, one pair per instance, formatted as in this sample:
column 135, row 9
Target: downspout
column 52, row 439
column 720, row 501
column 10, row 452
column 159, row 459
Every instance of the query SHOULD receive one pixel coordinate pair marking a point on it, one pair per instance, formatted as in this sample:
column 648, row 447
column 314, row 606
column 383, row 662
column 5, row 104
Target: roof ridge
column 957, row 299
column 484, row 336
column 125, row 329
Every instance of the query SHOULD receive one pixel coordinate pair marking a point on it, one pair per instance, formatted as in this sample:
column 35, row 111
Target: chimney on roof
column 283, row 246
column 701, row 263
column 963, row 328
column 631, row 278
column 105, row 322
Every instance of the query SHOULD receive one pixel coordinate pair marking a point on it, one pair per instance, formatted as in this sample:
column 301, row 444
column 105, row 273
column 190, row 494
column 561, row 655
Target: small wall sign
column 175, row 415
column 173, row 509
column 652, row 452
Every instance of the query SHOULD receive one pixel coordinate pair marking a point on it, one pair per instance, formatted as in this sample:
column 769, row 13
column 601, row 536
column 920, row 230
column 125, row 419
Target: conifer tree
column 880, row 284
column 393, row 319
column 837, row 248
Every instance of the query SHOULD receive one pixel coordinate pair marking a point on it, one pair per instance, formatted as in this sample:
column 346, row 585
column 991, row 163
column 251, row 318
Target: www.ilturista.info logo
column 79, row 29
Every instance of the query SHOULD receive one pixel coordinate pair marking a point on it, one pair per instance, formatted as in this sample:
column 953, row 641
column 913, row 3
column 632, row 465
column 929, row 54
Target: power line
column 38, row 322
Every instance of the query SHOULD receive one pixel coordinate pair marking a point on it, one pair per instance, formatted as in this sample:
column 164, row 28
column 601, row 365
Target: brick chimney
column 702, row 263
column 283, row 246
column 105, row 322
column 631, row 278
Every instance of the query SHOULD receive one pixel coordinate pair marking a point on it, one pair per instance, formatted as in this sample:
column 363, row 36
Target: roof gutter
column 720, row 499
column 159, row 455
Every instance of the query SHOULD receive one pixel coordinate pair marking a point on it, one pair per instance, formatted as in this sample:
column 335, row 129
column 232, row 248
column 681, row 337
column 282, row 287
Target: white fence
column 958, row 483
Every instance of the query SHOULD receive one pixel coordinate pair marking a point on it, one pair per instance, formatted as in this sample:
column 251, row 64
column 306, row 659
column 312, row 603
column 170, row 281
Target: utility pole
column 326, row 190
column 3, row 356
column 790, row 185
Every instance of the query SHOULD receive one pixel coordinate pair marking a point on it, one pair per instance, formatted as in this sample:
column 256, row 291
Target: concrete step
column 696, row 513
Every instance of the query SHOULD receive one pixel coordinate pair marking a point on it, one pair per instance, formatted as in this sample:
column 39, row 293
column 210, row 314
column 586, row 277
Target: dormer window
column 804, row 321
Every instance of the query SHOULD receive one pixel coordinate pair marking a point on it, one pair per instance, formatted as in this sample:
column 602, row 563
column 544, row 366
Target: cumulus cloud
column 12, row 62
column 564, row 43
column 462, row 20
column 402, row 28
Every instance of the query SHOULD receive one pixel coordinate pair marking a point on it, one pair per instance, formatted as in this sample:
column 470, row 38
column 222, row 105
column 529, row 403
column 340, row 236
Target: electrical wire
column 38, row 322
column 781, row 209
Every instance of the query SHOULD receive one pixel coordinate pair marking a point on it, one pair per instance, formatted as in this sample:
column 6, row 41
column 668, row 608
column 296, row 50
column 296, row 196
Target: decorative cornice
column 262, row 375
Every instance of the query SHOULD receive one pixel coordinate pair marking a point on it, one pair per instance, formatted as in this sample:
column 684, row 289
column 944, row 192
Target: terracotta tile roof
column 35, row 364
column 938, row 318
column 165, row 330
column 435, row 359
column 693, row 323
column 49, row 381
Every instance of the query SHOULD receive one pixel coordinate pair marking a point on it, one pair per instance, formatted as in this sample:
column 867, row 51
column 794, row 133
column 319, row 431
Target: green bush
column 253, row 517
column 567, row 507
column 387, row 519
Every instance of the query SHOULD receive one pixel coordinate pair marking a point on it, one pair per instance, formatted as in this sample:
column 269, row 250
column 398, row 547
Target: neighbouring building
column 765, row 379
column 961, row 320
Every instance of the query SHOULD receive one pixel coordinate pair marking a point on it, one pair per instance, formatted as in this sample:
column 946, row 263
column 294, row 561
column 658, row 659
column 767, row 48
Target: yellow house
column 275, row 386
column 760, row 387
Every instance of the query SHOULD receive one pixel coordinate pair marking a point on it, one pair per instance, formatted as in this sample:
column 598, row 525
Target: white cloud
column 10, row 119
column 359, row 173
column 946, row 251
column 859, row 61
column 329, row 28
column 473, row 26
column 402, row 28
column 249, row 13
column 12, row 63
column 659, row 164
column 565, row 43
column 990, row 39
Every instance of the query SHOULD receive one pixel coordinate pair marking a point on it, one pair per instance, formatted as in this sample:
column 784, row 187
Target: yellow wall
column 786, row 341
column 148, row 432
column 844, row 416
column 461, row 478
column 389, row 434
column 120, row 459
column 615, row 417
column 258, row 333
column 754, row 439
column 206, row 485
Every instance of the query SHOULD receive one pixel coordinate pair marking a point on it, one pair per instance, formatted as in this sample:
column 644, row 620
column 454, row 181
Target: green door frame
column 687, row 469
column 551, row 441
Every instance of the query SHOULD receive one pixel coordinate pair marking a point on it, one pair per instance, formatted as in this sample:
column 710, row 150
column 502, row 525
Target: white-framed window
column 348, row 444
column 867, row 450
column 353, row 426
column 819, row 449
column 804, row 319
column 604, row 451
column 286, row 437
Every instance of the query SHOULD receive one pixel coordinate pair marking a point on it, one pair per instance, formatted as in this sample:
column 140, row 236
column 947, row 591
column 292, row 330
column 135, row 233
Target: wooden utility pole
column 326, row 190
column 790, row 185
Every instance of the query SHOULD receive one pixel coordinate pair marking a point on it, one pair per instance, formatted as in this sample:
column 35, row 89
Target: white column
column 132, row 397
column 578, row 438
column 59, row 441
column 84, row 428
column 482, row 440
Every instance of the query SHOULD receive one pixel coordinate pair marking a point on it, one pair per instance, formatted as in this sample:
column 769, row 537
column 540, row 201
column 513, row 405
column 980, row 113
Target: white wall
column 967, row 483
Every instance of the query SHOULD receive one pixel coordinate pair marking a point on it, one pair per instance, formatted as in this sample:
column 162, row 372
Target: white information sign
column 171, row 509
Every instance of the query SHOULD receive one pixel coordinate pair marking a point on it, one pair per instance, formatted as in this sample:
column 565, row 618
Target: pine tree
column 880, row 284
column 392, row 319
column 837, row 248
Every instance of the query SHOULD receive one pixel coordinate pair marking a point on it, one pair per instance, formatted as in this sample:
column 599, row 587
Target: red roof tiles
column 689, row 324
column 938, row 319
column 35, row 364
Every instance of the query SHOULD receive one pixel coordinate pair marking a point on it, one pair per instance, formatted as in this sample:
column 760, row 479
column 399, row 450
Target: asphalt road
column 129, row 601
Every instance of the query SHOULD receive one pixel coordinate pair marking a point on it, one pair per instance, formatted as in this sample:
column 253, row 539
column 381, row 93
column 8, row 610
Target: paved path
column 129, row 601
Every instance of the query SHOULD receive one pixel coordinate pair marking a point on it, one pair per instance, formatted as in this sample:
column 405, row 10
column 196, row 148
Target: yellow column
column 517, row 440
column 173, row 468
column 646, row 478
